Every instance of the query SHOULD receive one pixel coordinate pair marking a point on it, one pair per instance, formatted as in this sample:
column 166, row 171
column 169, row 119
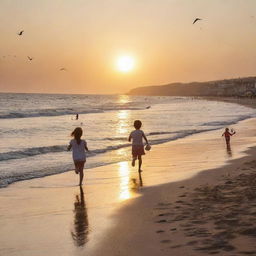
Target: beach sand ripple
column 214, row 219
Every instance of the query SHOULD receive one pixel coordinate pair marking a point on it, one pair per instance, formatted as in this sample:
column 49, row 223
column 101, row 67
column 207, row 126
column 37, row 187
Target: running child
column 78, row 150
column 137, row 137
column 227, row 135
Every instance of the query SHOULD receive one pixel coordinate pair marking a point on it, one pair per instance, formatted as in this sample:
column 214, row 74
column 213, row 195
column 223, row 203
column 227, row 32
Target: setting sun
column 125, row 63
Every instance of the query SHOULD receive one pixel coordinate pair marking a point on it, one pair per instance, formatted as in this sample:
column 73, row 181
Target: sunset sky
column 86, row 37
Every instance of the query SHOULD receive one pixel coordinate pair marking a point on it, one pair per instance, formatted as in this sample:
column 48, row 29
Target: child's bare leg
column 81, row 173
column 81, row 176
column 140, row 163
column 133, row 161
column 76, row 167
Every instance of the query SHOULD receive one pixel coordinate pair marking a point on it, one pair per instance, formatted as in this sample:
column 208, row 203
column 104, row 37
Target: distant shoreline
column 247, row 102
column 239, row 87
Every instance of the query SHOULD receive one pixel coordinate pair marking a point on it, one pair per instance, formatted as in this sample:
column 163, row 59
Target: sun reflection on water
column 123, row 121
column 123, row 99
column 122, row 129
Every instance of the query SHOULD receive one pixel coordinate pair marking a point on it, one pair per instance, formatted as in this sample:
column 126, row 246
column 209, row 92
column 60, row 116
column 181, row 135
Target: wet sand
column 120, row 213
column 212, row 213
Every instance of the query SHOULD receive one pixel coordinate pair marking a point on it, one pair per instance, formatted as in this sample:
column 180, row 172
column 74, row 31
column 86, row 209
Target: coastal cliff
column 240, row 87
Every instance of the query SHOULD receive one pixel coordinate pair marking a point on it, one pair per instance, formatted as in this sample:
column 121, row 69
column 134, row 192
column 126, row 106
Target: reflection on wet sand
column 229, row 150
column 136, row 185
column 81, row 225
column 128, row 185
column 124, row 174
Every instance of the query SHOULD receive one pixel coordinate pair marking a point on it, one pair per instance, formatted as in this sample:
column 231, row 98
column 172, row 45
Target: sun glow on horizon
column 125, row 63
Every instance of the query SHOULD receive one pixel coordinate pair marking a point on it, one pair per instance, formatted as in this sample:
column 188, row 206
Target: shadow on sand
column 229, row 150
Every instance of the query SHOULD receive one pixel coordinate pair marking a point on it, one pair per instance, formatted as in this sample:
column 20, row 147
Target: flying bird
column 30, row 58
column 21, row 32
column 197, row 19
column 63, row 69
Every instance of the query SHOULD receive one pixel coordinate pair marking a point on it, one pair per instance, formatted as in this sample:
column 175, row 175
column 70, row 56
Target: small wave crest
column 115, row 139
column 27, row 152
column 226, row 123
column 160, row 133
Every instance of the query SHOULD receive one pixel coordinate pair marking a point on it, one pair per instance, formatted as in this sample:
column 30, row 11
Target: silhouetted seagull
column 63, row 69
column 21, row 32
column 197, row 19
column 30, row 58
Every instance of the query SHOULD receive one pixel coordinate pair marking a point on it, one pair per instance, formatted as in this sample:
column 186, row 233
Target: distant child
column 78, row 149
column 227, row 135
column 137, row 143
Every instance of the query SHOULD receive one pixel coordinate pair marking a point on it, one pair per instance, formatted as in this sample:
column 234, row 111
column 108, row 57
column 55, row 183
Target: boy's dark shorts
column 137, row 150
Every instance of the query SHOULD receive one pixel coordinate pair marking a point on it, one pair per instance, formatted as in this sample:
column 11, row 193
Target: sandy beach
column 212, row 213
column 173, row 207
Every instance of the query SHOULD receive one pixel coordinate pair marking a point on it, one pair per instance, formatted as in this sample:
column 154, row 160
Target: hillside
column 226, row 88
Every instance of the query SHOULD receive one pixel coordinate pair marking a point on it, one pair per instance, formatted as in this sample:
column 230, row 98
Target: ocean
column 35, row 128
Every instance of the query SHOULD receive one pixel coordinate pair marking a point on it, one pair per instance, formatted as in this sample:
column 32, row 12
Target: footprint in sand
column 160, row 231
column 164, row 214
column 176, row 246
column 166, row 241
column 161, row 221
column 164, row 204
column 248, row 252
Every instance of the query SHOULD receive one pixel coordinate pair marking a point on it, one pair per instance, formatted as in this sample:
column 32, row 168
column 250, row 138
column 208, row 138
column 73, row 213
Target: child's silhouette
column 137, row 137
column 227, row 135
column 78, row 147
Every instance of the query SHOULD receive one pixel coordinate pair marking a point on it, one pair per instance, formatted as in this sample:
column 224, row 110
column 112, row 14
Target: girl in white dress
column 78, row 147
